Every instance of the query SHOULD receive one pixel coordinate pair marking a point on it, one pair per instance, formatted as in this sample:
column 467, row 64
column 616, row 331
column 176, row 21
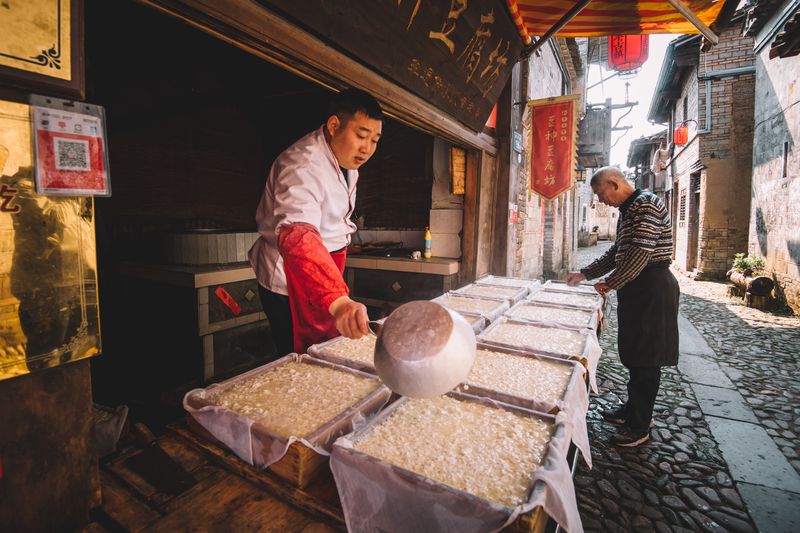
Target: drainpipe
column 717, row 75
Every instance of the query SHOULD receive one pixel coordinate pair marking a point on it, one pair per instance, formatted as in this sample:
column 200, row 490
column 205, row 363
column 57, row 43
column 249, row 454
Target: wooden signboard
column 458, row 55
column 41, row 46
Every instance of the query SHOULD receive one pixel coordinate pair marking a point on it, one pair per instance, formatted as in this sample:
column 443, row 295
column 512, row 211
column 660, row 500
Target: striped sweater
column 644, row 238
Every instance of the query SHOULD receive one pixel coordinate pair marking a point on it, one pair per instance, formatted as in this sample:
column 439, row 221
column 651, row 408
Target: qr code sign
column 71, row 154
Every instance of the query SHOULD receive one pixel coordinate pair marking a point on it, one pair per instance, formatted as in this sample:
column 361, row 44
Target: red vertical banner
column 553, row 144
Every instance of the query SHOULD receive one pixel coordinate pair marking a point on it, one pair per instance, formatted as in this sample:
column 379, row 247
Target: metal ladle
column 423, row 349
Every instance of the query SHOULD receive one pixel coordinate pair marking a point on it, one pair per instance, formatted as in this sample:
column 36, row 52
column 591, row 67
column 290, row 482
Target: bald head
column 606, row 174
column 610, row 186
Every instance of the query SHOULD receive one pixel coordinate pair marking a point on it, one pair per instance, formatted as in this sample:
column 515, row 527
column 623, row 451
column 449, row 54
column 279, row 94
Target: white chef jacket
column 305, row 184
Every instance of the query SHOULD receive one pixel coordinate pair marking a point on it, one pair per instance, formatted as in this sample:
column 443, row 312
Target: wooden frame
column 75, row 86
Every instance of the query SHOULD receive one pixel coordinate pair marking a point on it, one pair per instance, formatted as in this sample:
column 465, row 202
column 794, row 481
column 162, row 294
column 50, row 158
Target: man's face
column 607, row 192
column 353, row 142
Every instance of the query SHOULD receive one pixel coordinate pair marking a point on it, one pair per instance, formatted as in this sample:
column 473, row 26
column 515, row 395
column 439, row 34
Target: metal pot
column 424, row 350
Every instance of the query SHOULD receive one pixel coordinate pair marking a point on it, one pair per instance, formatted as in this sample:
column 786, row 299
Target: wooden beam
column 469, row 241
column 689, row 15
column 254, row 29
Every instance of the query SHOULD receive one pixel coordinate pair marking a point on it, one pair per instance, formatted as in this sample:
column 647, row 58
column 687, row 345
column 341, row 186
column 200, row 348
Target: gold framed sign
column 49, row 311
column 41, row 46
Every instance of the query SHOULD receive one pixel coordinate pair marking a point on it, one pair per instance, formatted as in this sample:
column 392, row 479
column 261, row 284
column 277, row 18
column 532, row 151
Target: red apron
column 313, row 281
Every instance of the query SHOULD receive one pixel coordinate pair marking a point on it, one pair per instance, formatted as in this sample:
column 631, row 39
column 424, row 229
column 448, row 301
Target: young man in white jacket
column 304, row 225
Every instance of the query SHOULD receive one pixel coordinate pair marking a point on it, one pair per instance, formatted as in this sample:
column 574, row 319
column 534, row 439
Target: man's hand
column 574, row 278
column 602, row 287
column 350, row 317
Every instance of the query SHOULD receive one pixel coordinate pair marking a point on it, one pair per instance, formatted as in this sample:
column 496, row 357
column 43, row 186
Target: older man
column 648, row 293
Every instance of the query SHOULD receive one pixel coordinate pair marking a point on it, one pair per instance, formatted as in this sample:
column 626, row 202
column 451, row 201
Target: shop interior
column 192, row 132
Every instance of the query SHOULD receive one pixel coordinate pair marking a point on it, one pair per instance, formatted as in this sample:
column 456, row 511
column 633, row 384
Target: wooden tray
column 485, row 341
column 575, row 380
column 593, row 321
column 533, row 521
column 301, row 464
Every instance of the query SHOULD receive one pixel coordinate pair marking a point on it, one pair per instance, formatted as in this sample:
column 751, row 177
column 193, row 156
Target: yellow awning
column 609, row 17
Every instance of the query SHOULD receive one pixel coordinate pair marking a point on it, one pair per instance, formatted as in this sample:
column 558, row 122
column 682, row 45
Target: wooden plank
column 486, row 203
column 258, row 31
column 50, row 479
column 320, row 499
column 233, row 504
column 469, row 240
column 191, row 460
column 123, row 506
column 505, row 153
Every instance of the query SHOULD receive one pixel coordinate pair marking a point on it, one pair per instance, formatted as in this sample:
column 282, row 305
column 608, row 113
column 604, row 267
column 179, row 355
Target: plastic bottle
column 427, row 253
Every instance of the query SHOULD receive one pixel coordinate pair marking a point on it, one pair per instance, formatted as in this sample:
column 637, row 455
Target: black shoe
column 615, row 416
column 629, row 438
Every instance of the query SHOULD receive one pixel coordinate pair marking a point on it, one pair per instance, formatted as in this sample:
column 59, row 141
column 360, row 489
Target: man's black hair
column 351, row 101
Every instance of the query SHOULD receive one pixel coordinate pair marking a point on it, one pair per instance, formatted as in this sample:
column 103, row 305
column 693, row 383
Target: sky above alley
column 640, row 90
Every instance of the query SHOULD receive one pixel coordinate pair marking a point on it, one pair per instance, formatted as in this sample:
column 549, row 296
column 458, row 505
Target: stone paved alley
column 724, row 453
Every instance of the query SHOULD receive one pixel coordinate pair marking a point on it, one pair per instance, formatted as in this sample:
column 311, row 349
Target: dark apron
column 647, row 311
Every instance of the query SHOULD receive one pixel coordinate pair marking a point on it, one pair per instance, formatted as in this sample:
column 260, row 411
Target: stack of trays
column 524, row 379
column 358, row 354
column 261, row 413
column 512, row 294
column 564, row 342
column 561, row 342
column 502, row 281
column 554, row 315
column 556, row 285
column 456, row 463
column 471, row 306
column 575, row 299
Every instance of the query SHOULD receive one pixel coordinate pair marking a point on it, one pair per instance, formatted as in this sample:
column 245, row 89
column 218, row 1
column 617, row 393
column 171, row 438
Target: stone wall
column 774, row 215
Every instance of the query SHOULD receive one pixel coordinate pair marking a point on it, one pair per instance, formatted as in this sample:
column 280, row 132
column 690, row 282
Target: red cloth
column 313, row 281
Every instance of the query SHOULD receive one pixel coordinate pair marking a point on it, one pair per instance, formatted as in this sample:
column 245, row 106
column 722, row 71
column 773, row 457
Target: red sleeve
column 305, row 256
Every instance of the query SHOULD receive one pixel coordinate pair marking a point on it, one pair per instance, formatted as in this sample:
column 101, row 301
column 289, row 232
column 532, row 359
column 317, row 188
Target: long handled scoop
column 424, row 350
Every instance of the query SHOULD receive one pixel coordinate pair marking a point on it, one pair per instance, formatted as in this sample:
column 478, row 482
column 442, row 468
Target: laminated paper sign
column 553, row 142
column 71, row 152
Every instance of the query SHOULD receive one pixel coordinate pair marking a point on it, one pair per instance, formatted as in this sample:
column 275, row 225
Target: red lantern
column 681, row 135
column 627, row 52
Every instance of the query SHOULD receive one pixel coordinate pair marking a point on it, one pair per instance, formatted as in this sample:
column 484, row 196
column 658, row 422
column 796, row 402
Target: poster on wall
column 70, row 150
column 553, row 143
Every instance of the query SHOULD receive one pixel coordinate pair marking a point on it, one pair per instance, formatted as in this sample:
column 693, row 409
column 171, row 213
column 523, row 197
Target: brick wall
column 714, row 227
column 774, row 230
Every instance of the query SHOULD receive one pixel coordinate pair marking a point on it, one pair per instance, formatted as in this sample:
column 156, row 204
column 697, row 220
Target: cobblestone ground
column 676, row 482
column 759, row 351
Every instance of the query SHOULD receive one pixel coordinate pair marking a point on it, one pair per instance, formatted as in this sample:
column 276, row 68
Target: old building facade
column 711, row 93
column 543, row 239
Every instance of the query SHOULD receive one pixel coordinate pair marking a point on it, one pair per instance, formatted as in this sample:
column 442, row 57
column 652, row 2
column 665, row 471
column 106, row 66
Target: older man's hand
column 574, row 278
column 602, row 287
